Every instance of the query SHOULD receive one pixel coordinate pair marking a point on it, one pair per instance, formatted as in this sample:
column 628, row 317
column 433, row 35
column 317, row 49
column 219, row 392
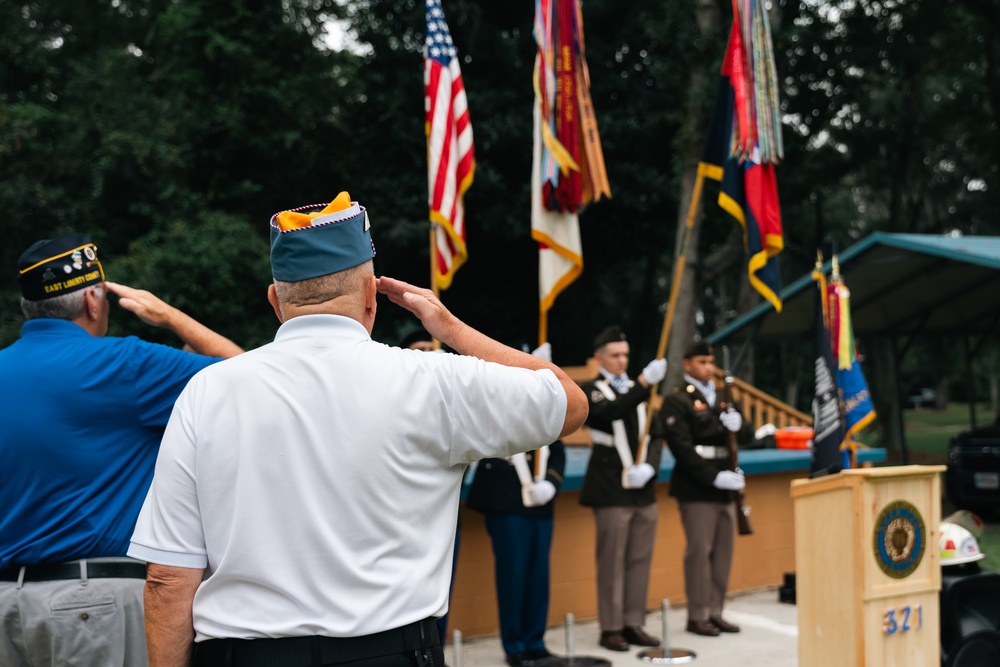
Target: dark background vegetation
column 171, row 130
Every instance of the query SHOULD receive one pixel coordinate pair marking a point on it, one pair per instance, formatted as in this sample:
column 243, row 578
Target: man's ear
column 371, row 294
column 91, row 305
column 272, row 298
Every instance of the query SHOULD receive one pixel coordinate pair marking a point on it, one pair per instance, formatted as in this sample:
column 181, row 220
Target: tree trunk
column 682, row 326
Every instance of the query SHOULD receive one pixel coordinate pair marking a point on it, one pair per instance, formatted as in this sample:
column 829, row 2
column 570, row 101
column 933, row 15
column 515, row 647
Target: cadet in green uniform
column 694, row 424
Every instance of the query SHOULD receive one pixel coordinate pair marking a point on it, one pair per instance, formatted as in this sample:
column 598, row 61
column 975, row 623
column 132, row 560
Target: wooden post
column 675, row 288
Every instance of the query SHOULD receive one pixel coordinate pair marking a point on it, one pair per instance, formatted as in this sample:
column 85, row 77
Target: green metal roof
column 900, row 284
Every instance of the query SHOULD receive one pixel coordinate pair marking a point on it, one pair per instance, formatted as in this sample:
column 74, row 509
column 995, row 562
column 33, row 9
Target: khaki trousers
column 710, row 529
column 72, row 623
column 625, row 538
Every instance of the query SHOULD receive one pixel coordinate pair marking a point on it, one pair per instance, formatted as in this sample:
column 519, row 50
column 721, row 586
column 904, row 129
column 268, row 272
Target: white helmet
column 958, row 545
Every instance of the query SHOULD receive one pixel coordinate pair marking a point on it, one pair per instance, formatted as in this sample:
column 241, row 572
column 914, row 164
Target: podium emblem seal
column 900, row 539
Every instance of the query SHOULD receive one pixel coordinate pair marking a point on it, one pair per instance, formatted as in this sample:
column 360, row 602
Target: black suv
column 973, row 477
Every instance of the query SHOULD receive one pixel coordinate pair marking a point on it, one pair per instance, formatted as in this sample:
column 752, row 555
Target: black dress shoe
column 614, row 641
column 542, row 657
column 520, row 660
column 634, row 634
column 538, row 654
column 704, row 628
column 724, row 626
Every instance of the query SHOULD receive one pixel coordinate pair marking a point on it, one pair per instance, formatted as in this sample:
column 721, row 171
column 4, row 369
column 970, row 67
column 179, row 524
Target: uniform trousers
column 625, row 537
column 73, row 622
column 521, row 548
column 710, row 529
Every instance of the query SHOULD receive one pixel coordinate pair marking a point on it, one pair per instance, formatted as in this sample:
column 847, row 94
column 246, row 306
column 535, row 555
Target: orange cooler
column 794, row 437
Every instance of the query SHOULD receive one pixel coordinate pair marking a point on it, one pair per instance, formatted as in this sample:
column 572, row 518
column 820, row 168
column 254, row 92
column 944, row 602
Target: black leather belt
column 314, row 651
column 95, row 570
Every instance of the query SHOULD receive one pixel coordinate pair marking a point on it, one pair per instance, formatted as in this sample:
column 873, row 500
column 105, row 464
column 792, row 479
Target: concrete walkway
column 768, row 638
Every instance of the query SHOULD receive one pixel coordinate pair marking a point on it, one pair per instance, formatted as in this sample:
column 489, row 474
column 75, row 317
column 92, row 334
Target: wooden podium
column 867, row 567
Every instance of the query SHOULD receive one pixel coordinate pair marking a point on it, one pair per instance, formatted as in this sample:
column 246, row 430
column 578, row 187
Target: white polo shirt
column 317, row 478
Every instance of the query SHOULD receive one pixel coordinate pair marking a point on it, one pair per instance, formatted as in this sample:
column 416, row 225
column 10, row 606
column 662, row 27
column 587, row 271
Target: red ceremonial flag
column 450, row 158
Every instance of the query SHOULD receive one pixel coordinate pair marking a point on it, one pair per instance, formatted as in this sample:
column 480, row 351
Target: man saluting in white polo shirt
column 290, row 522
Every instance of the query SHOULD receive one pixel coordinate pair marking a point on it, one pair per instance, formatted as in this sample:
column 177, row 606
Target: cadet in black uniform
column 692, row 421
column 620, row 489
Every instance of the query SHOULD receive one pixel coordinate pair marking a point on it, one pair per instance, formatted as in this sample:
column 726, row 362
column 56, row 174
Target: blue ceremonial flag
column 828, row 426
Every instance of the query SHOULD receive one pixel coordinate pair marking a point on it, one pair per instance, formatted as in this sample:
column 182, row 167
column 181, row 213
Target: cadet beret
column 413, row 336
column 53, row 267
column 312, row 241
column 612, row 334
column 699, row 349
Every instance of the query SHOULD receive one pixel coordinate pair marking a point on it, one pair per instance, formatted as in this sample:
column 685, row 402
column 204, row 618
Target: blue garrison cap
column 319, row 239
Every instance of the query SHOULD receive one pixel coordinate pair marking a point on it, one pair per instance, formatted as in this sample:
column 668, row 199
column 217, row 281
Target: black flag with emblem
column 828, row 427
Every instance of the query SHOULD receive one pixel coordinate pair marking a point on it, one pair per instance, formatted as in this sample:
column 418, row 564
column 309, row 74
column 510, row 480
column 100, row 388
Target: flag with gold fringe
column 567, row 169
column 744, row 143
column 856, row 401
column 450, row 157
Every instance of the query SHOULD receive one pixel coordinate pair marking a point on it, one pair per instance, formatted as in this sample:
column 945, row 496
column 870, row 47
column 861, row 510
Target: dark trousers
column 521, row 548
column 414, row 645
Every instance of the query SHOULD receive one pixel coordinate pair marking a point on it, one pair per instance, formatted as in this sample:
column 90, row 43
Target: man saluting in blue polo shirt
column 83, row 418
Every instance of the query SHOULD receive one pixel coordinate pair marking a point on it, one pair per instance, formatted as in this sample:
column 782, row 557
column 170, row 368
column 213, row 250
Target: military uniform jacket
column 692, row 429
column 496, row 488
column 602, row 485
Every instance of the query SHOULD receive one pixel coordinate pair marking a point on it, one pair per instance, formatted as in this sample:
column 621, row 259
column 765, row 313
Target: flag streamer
column 572, row 172
column 744, row 144
column 856, row 400
column 450, row 155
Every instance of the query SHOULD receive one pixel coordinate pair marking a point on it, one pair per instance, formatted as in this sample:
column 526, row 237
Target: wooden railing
column 760, row 408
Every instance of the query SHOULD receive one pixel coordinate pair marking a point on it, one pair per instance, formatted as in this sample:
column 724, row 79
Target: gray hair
column 62, row 307
column 348, row 282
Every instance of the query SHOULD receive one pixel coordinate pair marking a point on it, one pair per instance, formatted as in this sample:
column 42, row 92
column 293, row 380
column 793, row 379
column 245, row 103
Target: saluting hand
column 147, row 306
column 437, row 319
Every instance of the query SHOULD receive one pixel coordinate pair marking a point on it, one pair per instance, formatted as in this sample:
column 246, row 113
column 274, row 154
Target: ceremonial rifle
column 742, row 509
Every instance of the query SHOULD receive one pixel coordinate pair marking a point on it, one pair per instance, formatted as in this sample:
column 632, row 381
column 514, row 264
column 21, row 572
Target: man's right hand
column 433, row 315
column 147, row 306
column 727, row 480
column 154, row 311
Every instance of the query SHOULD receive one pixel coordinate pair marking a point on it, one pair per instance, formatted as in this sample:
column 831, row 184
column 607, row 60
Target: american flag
column 450, row 158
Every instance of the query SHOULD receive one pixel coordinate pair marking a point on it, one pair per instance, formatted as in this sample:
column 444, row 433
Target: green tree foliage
column 172, row 129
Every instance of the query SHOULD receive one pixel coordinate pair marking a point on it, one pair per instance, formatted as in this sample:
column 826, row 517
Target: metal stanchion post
column 571, row 659
column 666, row 655
column 569, row 637
column 456, row 647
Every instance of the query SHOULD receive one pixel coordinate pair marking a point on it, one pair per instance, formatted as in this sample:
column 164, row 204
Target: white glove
column 727, row 480
column 640, row 474
column 655, row 371
column 731, row 420
column 543, row 352
column 764, row 431
column 543, row 491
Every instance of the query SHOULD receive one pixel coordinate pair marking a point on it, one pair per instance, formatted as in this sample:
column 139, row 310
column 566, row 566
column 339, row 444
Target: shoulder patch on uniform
column 596, row 396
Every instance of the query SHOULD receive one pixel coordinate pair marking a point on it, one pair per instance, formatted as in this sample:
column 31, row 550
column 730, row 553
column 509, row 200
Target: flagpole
column 675, row 288
column 435, row 343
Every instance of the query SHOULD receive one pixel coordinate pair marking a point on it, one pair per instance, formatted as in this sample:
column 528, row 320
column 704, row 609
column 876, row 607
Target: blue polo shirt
column 81, row 426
